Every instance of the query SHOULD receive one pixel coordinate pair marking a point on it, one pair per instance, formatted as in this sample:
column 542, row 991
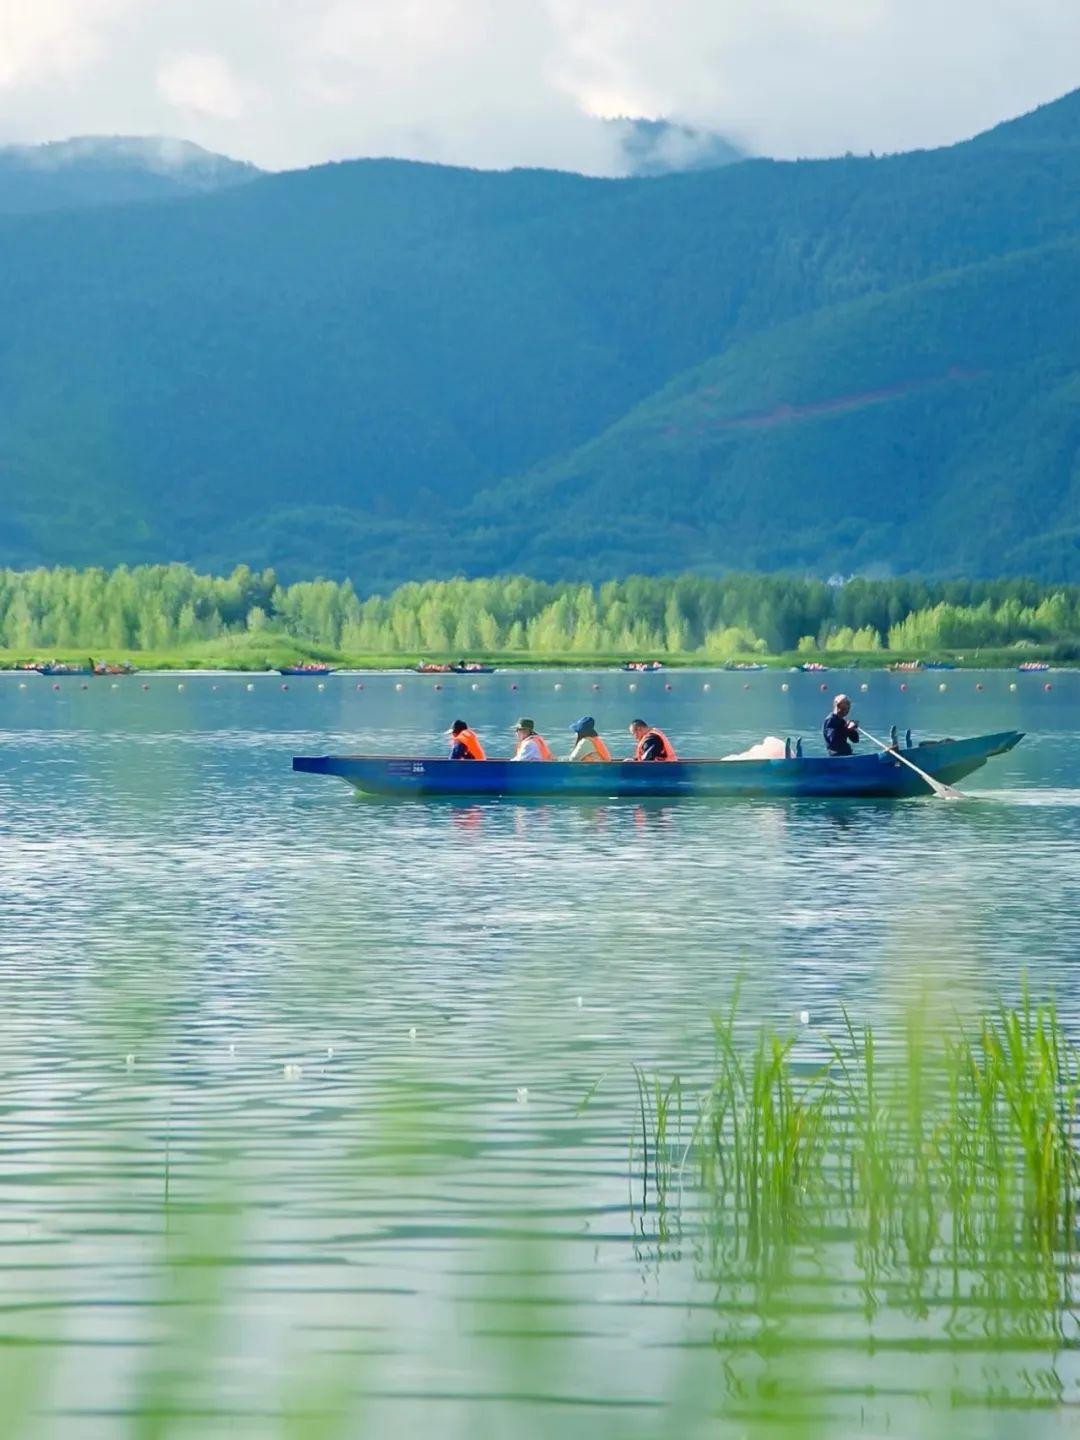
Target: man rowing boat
column 840, row 732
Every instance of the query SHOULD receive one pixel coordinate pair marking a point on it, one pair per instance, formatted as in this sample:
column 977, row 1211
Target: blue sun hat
column 585, row 726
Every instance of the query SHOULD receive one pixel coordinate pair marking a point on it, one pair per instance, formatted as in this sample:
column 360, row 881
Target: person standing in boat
column 840, row 732
column 530, row 745
column 589, row 748
column 463, row 743
column 652, row 744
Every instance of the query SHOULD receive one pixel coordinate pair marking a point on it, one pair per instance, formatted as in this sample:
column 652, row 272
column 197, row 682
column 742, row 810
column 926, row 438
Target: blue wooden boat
column 875, row 774
column 306, row 670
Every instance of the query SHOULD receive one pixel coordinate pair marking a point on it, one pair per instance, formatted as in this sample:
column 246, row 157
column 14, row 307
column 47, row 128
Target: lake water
column 316, row 1104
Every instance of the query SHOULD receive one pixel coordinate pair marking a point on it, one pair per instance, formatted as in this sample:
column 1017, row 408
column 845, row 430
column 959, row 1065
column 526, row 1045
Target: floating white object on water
column 399, row 686
column 412, row 1032
column 804, row 1017
column 293, row 1072
column 943, row 687
column 785, row 687
column 864, row 687
column 1012, row 686
column 706, row 687
column 250, row 686
column 558, row 687
column 523, row 1095
column 129, row 1061
column 320, row 686
column 329, row 1052
column 476, row 685
column 22, row 685
column 114, row 686
column 232, row 1048
column 580, row 1002
column 181, row 686
column 631, row 687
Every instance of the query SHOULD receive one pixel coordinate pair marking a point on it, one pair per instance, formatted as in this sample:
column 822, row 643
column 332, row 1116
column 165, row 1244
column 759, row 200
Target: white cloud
column 203, row 84
column 52, row 38
column 499, row 82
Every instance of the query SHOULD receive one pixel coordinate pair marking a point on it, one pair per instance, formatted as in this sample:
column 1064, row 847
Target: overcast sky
column 505, row 82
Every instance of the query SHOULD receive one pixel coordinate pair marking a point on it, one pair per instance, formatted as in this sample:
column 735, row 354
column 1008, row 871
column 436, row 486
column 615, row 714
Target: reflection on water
column 294, row 1077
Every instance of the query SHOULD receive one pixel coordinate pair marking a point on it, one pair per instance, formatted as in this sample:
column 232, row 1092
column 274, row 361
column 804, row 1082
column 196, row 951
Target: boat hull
column 874, row 775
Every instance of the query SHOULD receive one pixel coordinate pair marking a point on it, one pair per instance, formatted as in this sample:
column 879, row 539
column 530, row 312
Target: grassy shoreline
column 252, row 655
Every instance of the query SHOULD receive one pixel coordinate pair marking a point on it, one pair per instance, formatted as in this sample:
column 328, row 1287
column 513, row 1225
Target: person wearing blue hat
column 589, row 748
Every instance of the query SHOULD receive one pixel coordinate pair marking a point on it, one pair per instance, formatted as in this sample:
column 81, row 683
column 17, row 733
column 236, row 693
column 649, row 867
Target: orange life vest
column 545, row 752
column 669, row 749
column 600, row 750
column 471, row 743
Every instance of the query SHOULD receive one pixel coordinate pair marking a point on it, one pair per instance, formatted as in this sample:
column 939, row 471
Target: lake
column 321, row 1116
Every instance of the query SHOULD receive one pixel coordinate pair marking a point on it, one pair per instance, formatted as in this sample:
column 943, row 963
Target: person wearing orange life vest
column 463, row 743
column 652, row 744
column 530, row 745
column 589, row 748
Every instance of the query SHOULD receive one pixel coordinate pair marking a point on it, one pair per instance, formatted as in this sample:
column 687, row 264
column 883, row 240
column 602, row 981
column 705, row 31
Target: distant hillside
column 663, row 147
column 109, row 170
column 388, row 370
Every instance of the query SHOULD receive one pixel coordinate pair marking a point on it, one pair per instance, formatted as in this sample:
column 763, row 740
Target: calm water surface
column 378, row 1056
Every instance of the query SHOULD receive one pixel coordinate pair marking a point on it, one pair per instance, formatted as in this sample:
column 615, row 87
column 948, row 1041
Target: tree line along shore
column 170, row 616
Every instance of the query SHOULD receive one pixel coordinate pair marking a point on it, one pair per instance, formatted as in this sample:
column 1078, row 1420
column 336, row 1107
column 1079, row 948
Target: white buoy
column 399, row 686
column 129, row 1061
column 706, row 687
column 250, row 686
column 181, row 686
column 293, row 1072
column 943, row 687
column 864, row 687
column 329, row 1052
column 632, row 687
column 22, row 685
column 475, row 685
column 412, row 1032
column 785, row 687
column 580, row 1002
column 804, row 1017
column 114, row 686
column 523, row 1095
column 321, row 686
column 558, row 687
column 1012, row 686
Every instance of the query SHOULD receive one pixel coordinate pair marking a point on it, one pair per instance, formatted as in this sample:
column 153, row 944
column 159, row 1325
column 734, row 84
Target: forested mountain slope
column 388, row 369
column 94, row 170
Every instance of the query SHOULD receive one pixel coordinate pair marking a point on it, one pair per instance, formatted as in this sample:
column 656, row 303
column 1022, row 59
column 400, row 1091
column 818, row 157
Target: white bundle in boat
column 768, row 749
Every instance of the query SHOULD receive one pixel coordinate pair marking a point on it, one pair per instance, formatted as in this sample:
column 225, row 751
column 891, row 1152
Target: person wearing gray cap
column 840, row 732
column 589, row 748
column 530, row 745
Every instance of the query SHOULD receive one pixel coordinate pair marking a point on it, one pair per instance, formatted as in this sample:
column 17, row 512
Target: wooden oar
column 943, row 792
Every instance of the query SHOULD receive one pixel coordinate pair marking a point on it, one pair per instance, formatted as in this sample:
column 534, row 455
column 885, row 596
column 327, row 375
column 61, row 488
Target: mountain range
column 390, row 370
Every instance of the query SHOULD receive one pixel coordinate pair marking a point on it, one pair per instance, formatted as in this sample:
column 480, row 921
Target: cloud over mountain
column 505, row 82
